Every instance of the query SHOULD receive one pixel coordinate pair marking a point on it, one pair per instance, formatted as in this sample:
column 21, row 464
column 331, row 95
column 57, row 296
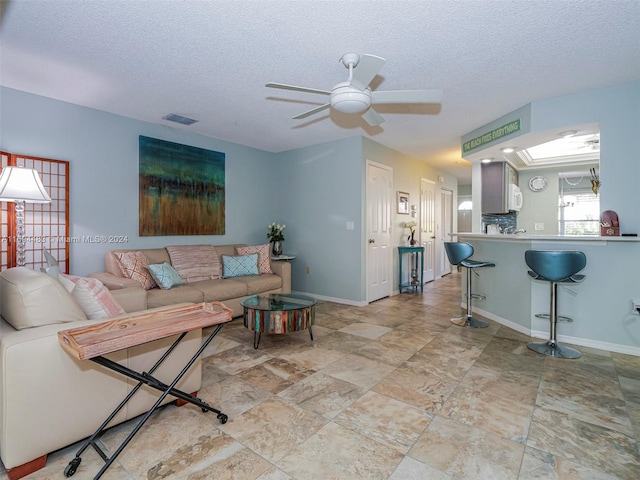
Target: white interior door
column 428, row 227
column 379, row 253
column 446, row 209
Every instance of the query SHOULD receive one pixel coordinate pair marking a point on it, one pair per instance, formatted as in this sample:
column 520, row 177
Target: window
column 579, row 207
column 465, row 205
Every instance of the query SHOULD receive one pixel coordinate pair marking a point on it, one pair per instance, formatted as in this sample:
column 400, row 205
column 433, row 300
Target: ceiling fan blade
column 311, row 112
column 406, row 96
column 297, row 89
column 367, row 68
column 372, row 117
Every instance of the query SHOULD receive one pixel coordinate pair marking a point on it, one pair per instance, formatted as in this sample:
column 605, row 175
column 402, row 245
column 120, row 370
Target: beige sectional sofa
column 226, row 290
column 48, row 399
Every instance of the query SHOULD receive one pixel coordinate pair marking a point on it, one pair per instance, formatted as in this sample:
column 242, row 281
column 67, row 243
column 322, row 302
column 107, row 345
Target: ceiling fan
column 591, row 141
column 355, row 95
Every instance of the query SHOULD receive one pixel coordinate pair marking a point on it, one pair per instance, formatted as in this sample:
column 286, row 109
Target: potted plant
column 276, row 237
column 412, row 231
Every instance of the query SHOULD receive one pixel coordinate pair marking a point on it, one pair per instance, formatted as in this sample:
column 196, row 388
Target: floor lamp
column 21, row 185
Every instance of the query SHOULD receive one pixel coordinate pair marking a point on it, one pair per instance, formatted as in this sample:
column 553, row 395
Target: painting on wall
column 403, row 202
column 182, row 189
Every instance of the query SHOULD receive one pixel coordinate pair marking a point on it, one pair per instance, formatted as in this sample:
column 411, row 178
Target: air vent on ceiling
column 172, row 117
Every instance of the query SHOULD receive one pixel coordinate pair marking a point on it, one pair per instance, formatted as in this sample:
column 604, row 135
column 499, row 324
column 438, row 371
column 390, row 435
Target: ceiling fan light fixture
column 347, row 99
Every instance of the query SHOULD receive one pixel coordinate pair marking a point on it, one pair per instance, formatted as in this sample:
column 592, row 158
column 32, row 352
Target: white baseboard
column 502, row 321
column 342, row 301
column 584, row 342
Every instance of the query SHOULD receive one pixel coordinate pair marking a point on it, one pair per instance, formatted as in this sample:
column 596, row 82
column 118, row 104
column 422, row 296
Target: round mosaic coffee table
column 278, row 313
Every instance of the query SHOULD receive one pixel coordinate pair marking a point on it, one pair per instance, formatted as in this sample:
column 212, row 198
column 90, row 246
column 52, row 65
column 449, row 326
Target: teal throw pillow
column 240, row 265
column 165, row 275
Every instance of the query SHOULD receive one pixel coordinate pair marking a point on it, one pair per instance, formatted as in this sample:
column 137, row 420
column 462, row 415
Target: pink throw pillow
column 94, row 298
column 264, row 256
column 134, row 265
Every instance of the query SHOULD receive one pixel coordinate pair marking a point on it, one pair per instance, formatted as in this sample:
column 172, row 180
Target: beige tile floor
column 390, row 391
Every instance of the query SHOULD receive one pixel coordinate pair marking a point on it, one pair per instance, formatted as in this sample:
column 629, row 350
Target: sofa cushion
column 33, row 299
column 133, row 265
column 195, row 262
column 261, row 283
column 154, row 255
column 165, row 275
column 94, row 298
column 264, row 256
column 221, row 290
column 157, row 297
column 239, row 265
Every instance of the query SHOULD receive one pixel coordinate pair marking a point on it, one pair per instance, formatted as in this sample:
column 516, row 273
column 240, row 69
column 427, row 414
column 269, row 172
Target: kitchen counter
column 601, row 305
column 545, row 238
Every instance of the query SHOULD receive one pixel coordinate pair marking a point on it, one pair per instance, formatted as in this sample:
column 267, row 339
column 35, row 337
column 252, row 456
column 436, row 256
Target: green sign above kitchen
column 489, row 137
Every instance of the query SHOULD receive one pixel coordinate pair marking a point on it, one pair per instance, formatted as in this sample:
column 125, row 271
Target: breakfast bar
column 601, row 306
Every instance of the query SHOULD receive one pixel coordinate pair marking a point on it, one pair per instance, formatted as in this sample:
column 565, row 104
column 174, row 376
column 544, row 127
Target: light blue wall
column 103, row 153
column 617, row 110
column 320, row 191
column 407, row 175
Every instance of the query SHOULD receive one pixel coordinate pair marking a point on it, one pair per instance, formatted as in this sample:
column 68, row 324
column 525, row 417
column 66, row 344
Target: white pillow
column 95, row 300
column 33, row 299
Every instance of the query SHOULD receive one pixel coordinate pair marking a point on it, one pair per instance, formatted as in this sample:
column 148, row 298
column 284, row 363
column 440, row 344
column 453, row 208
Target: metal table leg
column 143, row 378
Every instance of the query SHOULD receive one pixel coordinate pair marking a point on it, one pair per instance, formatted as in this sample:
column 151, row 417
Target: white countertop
column 560, row 238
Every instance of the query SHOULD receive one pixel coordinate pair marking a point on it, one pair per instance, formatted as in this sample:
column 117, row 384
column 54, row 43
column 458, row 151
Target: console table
column 94, row 341
column 418, row 265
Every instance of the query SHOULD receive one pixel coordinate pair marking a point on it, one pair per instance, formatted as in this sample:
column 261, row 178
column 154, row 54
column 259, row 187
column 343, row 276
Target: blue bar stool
column 458, row 254
column 555, row 267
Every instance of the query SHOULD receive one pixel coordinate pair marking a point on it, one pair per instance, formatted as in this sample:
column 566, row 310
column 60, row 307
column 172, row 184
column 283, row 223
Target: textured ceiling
column 209, row 60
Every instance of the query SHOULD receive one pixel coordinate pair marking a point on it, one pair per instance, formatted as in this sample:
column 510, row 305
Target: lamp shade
column 22, row 184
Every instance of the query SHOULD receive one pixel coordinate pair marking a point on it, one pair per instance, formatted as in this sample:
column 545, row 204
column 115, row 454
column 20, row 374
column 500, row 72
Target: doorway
column 428, row 227
column 446, row 218
column 379, row 203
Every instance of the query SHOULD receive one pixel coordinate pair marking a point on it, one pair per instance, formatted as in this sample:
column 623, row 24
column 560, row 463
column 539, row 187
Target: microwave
column 514, row 200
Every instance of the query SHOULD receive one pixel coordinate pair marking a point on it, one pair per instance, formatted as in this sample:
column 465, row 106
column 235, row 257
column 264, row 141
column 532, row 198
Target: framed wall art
column 403, row 203
column 182, row 189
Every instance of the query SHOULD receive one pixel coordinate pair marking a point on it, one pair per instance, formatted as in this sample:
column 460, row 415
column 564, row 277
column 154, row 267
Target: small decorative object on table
column 276, row 237
column 609, row 224
column 412, row 229
column 414, row 276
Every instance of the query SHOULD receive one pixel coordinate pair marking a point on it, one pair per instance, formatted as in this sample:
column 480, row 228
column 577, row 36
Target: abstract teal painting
column 182, row 189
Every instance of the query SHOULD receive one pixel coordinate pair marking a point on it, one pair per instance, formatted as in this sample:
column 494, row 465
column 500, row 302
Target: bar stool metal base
column 469, row 321
column 551, row 349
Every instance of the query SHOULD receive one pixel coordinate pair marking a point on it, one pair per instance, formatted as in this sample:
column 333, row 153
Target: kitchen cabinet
column 496, row 177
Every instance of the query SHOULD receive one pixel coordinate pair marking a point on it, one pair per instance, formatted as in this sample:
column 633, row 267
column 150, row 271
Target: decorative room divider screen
column 46, row 225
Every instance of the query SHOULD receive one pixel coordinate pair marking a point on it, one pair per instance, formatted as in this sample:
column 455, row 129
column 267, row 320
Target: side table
column 278, row 313
column 419, row 266
column 283, row 257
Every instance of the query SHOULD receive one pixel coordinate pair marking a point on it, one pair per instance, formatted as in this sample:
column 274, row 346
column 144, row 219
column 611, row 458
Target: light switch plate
column 350, row 226
column 539, row 226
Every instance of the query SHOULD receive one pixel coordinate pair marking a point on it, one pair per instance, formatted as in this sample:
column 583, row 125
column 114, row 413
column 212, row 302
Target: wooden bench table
column 94, row 341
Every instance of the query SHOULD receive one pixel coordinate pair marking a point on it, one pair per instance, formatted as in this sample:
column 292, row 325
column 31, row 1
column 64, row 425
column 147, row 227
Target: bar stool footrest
column 561, row 318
